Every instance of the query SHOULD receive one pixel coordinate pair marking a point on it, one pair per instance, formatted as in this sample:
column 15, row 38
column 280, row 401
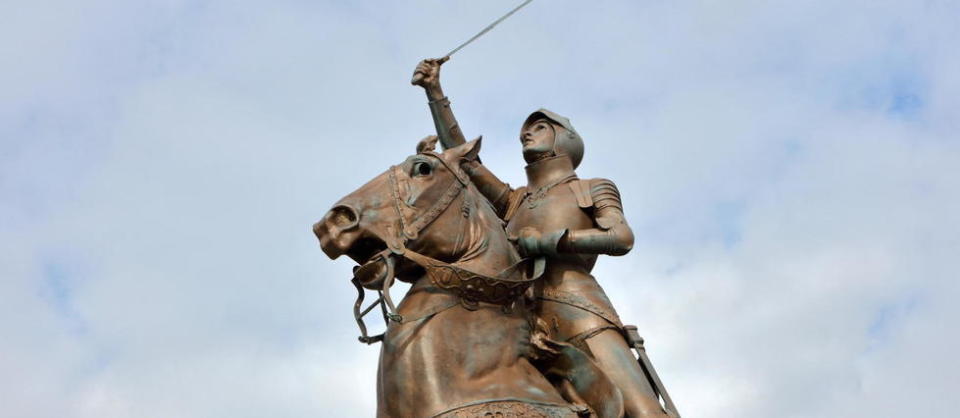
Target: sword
column 419, row 75
column 636, row 341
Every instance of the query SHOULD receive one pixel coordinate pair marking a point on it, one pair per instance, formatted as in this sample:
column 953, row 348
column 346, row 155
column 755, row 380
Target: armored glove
column 532, row 243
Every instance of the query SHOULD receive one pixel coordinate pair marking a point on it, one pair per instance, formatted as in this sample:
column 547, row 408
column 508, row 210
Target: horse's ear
column 468, row 151
column 427, row 144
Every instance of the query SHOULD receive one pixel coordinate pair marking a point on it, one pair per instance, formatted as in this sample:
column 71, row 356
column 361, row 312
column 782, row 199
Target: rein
column 471, row 287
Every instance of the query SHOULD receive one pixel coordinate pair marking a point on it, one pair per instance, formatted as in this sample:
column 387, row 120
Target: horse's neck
column 488, row 252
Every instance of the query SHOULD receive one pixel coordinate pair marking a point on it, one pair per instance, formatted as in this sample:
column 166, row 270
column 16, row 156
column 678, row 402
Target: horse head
column 425, row 204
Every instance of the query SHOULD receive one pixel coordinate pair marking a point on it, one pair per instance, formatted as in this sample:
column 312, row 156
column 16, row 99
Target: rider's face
column 537, row 139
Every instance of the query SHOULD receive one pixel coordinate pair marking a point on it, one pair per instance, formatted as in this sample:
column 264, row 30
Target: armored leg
column 614, row 357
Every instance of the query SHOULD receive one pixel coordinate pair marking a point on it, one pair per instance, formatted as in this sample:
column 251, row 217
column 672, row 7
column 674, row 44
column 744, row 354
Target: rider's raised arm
column 612, row 236
column 427, row 75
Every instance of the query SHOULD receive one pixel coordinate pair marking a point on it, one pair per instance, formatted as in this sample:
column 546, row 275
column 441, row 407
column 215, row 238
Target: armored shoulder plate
column 606, row 203
column 605, row 194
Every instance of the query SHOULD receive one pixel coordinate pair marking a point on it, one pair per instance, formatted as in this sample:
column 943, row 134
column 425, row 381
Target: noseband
column 471, row 287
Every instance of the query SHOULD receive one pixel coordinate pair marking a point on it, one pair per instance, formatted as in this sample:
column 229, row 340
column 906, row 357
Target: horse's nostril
column 344, row 217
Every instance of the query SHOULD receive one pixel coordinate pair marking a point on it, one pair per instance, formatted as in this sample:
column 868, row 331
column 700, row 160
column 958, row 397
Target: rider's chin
column 535, row 153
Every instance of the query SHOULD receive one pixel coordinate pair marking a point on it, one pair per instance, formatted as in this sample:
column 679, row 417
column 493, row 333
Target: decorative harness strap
column 474, row 287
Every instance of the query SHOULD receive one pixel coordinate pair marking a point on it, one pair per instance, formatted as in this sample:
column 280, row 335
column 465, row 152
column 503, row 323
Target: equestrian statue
column 502, row 318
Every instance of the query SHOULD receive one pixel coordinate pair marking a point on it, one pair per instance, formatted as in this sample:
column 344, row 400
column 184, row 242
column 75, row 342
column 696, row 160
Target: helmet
column 567, row 141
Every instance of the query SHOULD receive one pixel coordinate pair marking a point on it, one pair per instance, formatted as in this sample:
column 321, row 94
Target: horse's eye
column 422, row 169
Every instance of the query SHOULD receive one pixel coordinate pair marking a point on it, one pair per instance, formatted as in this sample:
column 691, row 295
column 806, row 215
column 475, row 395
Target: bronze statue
column 463, row 342
column 503, row 317
column 570, row 221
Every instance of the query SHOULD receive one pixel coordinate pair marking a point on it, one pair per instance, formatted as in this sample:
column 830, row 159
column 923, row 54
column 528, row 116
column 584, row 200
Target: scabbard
column 636, row 341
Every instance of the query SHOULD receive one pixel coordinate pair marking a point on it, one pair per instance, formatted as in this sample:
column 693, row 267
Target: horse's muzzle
column 338, row 231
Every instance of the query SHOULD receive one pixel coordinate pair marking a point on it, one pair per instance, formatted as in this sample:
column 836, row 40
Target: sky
column 789, row 168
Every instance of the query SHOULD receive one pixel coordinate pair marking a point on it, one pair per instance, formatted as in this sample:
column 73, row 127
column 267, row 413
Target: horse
column 463, row 341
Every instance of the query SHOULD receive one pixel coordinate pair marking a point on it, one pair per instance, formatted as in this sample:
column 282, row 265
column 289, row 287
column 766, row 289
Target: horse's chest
column 547, row 212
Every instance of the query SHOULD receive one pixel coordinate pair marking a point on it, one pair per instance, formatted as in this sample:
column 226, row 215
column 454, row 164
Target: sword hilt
column 633, row 337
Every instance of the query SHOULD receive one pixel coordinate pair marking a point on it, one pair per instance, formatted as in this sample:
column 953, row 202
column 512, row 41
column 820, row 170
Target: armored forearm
column 495, row 190
column 447, row 128
column 427, row 75
column 618, row 240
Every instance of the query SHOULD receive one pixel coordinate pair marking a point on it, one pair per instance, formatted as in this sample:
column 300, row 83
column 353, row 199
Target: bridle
column 471, row 287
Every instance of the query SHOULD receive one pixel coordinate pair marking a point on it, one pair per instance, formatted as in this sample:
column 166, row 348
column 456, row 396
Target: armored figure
column 568, row 220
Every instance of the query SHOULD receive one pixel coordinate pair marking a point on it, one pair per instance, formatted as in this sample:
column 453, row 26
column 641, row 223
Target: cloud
column 787, row 168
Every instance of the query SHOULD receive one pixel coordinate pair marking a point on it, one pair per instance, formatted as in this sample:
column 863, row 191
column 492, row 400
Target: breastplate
column 556, row 209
